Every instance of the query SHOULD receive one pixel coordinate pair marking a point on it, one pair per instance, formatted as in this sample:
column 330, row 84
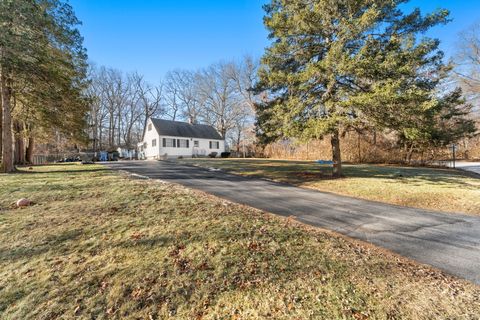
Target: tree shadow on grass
column 49, row 243
column 149, row 242
column 419, row 176
column 298, row 173
column 27, row 172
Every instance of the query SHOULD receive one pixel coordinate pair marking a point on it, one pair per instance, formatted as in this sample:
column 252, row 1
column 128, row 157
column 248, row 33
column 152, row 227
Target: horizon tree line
column 331, row 69
column 220, row 95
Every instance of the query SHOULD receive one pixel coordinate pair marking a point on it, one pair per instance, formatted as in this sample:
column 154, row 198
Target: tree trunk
column 1, row 131
column 95, row 132
column 111, row 130
column 336, row 156
column 19, row 152
column 7, row 150
column 375, row 148
column 408, row 156
column 100, row 137
column 30, row 148
column 119, row 130
column 239, row 137
column 359, row 146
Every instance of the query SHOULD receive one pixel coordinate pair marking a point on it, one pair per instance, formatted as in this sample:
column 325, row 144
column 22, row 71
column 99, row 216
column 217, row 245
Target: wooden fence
column 39, row 159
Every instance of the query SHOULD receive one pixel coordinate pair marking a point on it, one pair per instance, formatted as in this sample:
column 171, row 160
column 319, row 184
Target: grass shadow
column 26, row 172
column 297, row 172
column 49, row 243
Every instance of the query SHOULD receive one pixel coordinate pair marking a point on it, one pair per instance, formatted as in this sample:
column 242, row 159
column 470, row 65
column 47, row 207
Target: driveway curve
column 450, row 242
column 469, row 166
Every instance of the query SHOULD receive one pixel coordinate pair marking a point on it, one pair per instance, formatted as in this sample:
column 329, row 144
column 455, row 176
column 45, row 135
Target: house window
column 149, row 127
column 183, row 143
column 214, row 145
column 196, row 143
column 169, row 143
column 175, row 143
column 154, row 142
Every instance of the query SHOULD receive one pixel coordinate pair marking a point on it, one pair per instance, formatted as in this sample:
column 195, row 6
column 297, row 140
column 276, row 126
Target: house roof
column 184, row 129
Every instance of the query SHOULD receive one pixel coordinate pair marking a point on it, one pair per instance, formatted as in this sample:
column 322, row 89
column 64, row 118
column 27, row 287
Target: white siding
column 159, row 151
column 151, row 152
column 175, row 151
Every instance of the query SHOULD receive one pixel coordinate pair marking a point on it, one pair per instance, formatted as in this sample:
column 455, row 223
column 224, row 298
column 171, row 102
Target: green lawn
column 99, row 245
column 437, row 189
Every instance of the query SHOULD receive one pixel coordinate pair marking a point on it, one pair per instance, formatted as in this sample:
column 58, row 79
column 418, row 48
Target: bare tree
column 219, row 95
column 149, row 97
column 98, row 113
column 468, row 62
column 172, row 95
column 244, row 75
column 131, row 113
column 183, row 86
column 120, row 107
column 217, row 90
column 114, row 97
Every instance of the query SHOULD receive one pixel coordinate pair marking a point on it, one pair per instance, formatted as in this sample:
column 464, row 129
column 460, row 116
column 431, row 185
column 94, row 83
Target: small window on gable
column 154, row 142
column 149, row 127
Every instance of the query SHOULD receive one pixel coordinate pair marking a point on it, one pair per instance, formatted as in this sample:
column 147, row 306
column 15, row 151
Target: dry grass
column 99, row 245
column 445, row 190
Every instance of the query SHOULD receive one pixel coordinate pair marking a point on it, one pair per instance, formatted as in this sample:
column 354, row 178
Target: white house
column 172, row 139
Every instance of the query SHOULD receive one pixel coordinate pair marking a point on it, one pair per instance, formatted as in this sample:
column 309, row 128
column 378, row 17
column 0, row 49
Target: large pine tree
column 42, row 70
column 337, row 64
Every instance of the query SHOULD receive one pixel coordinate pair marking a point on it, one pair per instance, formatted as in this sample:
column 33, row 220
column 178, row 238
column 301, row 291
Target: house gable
column 174, row 139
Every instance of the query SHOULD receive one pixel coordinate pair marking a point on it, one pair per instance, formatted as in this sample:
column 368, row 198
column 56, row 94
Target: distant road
column 469, row 166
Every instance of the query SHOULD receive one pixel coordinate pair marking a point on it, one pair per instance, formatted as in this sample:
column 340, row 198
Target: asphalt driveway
column 450, row 242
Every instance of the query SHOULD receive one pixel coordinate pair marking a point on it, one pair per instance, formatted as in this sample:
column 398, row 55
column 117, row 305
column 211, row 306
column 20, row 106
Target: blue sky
column 153, row 37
